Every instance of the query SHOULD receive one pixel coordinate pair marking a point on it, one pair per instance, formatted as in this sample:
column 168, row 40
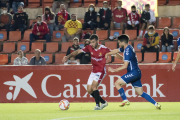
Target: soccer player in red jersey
column 119, row 17
column 98, row 61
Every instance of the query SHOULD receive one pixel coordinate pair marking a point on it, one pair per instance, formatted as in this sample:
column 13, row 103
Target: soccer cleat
column 123, row 103
column 140, row 36
column 97, row 108
column 104, row 105
column 158, row 106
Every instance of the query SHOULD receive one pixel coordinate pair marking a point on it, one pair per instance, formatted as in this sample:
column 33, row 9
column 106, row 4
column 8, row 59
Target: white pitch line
column 110, row 115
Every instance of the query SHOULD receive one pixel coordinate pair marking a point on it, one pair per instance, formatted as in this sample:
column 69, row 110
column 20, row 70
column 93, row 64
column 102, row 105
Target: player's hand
column 106, row 56
column 111, row 69
column 173, row 67
column 65, row 59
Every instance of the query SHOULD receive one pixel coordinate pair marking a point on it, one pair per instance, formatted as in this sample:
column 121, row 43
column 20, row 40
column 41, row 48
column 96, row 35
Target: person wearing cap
column 16, row 4
column 119, row 17
column 72, row 28
column 20, row 60
column 37, row 59
column 104, row 17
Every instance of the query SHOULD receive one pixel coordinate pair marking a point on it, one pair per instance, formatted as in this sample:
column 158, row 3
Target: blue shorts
column 133, row 77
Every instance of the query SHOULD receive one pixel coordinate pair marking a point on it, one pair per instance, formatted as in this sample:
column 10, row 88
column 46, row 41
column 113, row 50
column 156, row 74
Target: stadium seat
column 26, row 36
column 81, row 20
column 14, row 35
column 149, row 57
column 33, row 3
column 59, row 57
column 75, row 3
column 175, row 45
column 3, row 35
column 48, row 58
column 65, row 46
column 115, row 33
column 52, row 47
column 176, row 22
column 164, row 57
column 175, row 33
column 160, row 32
column 138, row 45
column 24, row 46
column 132, row 34
column 173, row 2
column 8, row 47
column 37, row 45
column 32, row 21
column 116, row 60
column 29, row 56
column 13, row 56
column 57, row 35
column 3, row 59
column 174, row 57
column 164, row 22
column 111, row 45
column 102, row 34
column 84, row 32
column 139, row 56
column 161, row 2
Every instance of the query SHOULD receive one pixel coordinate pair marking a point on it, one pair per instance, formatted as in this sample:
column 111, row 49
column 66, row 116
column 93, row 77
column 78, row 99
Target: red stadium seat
column 3, row 35
column 52, row 47
column 3, row 59
column 13, row 56
column 65, row 46
column 32, row 21
column 115, row 33
column 175, row 33
column 37, row 45
column 111, row 45
column 29, row 56
column 116, row 60
column 33, row 3
column 138, row 45
column 164, row 22
column 8, row 47
column 139, row 56
column 161, row 2
column 57, row 35
column 102, row 34
column 176, row 22
column 132, row 34
column 75, row 3
column 160, row 32
column 48, row 58
column 59, row 57
column 27, row 36
column 173, row 2
column 164, row 57
column 149, row 57
column 24, row 46
column 175, row 44
column 14, row 35
column 174, row 57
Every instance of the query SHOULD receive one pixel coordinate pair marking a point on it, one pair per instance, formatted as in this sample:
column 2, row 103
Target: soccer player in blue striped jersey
column 133, row 75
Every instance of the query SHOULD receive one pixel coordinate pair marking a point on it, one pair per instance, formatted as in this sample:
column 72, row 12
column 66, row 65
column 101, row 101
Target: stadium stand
column 3, row 59
column 48, row 58
column 13, row 56
column 149, row 57
column 57, row 35
column 52, row 47
column 164, row 57
column 3, row 35
column 58, row 58
column 24, row 46
column 176, row 22
column 8, row 47
column 164, row 22
column 14, row 35
column 37, row 45
column 102, row 34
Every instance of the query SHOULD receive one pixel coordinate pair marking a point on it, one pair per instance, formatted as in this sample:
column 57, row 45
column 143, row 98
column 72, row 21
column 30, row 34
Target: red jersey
column 119, row 15
column 133, row 17
column 98, row 59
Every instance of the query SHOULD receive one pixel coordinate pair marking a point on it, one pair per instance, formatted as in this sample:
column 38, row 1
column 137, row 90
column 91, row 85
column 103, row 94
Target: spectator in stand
column 167, row 40
column 147, row 18
column 104, row 17
column 49, row 18
column 133, row 20
column 119, row 17
column 86, row 57
column 150, row 43
column 20, row 21
column 56, row 3
column 61, row 17
column 5, row 20
column 20, row 60
column 5, row 3
column 71, row 49
column 40, row 31
column 90, row 18
column 37, row 59
column 16, row 4
column 72, row 28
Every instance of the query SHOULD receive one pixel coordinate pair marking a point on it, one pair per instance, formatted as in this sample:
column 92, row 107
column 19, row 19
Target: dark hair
column 164, row 36
column 147, row 5
column 151, row 27
column 133, row 6
column 94, row 36
column 38, row 16
column 51, row 14
column 124, row 38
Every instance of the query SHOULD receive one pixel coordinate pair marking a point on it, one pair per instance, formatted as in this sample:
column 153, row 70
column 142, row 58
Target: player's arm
column 113, row 52
column 176, row 61
column 119, row 56
column 124, row 66
column 73, row 54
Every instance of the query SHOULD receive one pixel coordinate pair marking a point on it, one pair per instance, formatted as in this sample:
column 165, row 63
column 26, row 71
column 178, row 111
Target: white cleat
column 97, row 108
column 104, row 105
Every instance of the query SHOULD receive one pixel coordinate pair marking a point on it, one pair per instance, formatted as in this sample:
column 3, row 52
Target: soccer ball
column 64, row 104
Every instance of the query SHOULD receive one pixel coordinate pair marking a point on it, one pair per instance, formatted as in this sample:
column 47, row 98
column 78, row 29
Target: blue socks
column 122, row 94
column 148, row 98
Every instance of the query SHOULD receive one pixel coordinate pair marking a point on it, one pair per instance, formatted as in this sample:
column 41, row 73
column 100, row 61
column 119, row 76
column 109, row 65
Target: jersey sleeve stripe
column 82, row 51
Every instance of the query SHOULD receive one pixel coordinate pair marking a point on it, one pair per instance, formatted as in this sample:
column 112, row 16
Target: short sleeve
column 66, row 24
column 127, row 55
column 85, row 49
column 178, row 42
column 108, row 50
column 121, row 50
column 79, row 24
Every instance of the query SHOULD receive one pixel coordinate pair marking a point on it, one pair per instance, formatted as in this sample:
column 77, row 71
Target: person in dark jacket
column 90, row 19
column 5, row 3
column 104, row 17
column 167, row 40
column 20, row 20
column 40, row 31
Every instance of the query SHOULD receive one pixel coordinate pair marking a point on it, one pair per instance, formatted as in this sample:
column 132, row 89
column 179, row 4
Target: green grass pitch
column 84, row 111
